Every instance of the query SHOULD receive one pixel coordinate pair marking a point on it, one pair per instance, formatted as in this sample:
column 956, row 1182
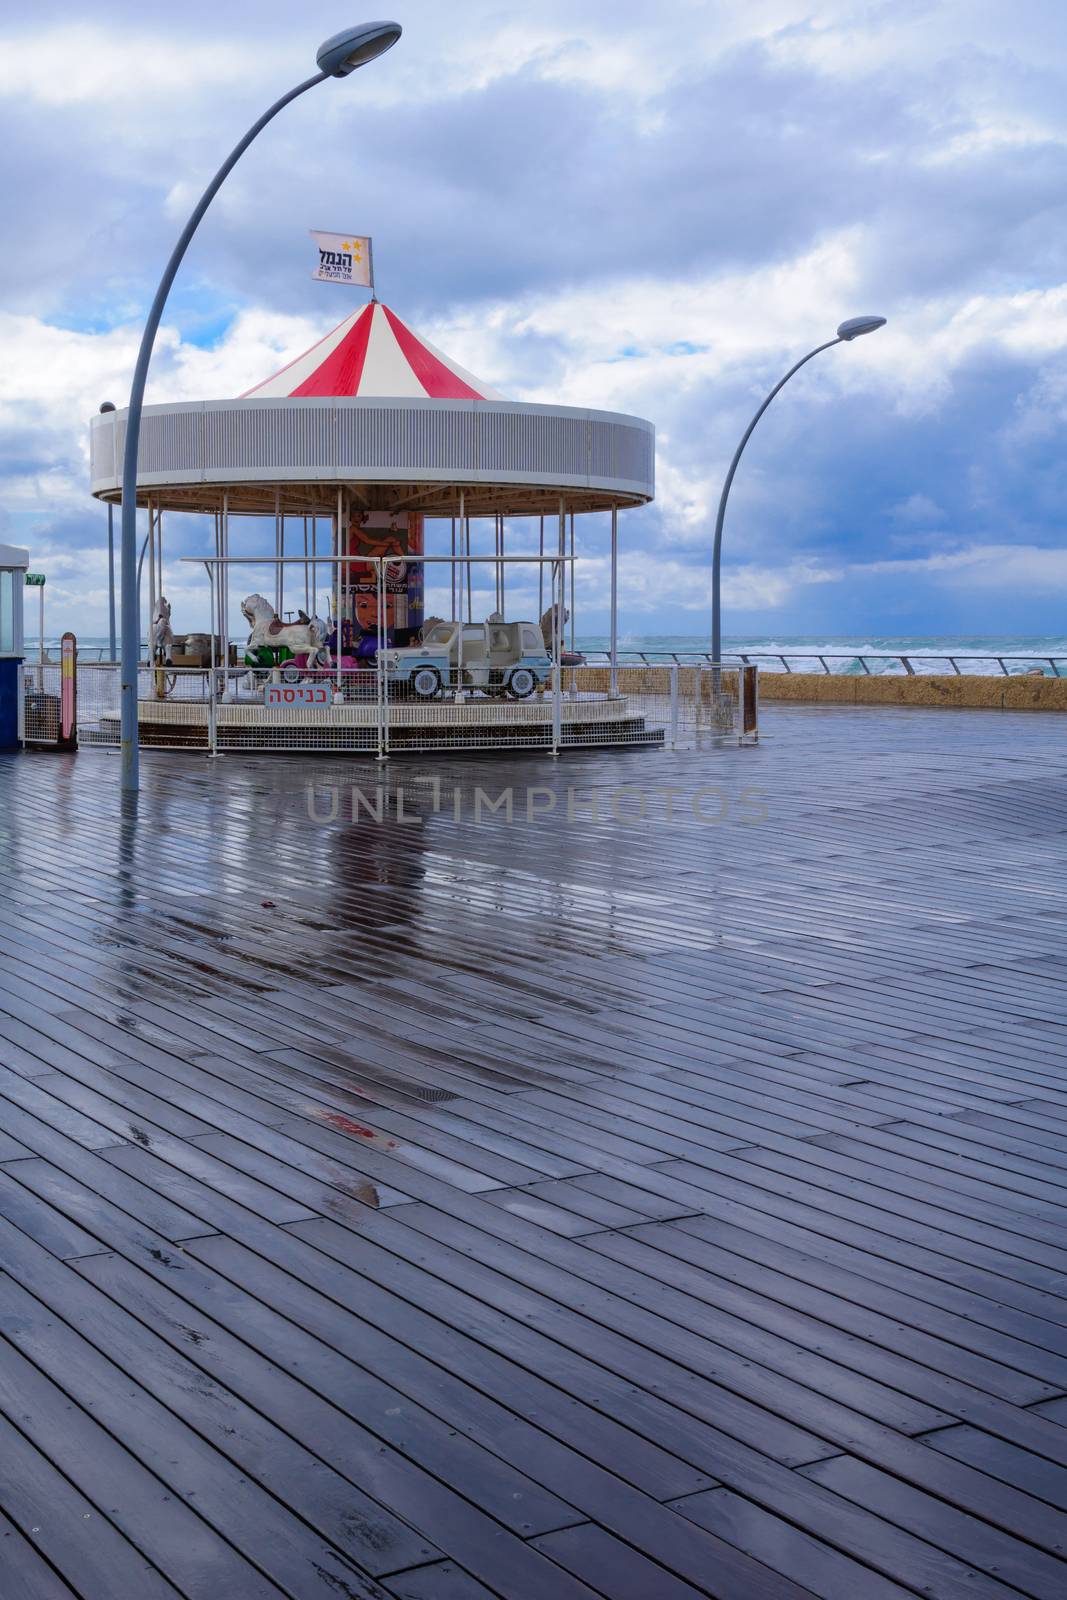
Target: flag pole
column 370, row 269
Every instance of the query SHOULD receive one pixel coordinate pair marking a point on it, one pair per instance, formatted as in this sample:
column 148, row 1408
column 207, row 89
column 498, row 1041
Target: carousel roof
column 373, row 354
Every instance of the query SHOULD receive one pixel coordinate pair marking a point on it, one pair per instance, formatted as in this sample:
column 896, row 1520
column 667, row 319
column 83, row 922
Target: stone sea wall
column 1024, row 692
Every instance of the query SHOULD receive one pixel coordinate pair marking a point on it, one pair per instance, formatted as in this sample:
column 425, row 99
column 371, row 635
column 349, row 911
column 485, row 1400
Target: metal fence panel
column 364, row 712
column 41, row 687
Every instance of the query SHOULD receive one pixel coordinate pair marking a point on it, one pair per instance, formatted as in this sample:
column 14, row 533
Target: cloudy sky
column 654, row 209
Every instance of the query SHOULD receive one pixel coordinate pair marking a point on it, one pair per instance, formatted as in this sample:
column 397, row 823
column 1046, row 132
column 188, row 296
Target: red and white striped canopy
column 373, row 354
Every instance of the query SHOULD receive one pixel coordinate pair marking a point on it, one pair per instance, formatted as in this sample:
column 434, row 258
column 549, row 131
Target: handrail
column 96, row 654
column 913, row 665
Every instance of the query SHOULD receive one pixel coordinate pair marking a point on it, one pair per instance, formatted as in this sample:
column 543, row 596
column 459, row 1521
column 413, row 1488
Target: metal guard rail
column 650, row 658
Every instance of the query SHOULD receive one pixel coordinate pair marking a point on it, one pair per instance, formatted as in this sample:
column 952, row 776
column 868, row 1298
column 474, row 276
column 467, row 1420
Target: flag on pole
column 343, row 258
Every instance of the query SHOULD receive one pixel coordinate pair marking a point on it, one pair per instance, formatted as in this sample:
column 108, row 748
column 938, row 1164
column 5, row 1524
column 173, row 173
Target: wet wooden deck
column 559, row 1208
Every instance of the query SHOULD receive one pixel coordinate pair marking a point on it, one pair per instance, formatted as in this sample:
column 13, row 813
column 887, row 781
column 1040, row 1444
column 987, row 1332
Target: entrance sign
column 296, row 694
column 344, row 258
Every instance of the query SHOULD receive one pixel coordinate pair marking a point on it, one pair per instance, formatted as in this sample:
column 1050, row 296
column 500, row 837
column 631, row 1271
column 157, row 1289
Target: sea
column 848, row 653
column 868, row 652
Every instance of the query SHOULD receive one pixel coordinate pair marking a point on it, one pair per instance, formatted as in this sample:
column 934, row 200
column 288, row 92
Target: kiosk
column 13, row 564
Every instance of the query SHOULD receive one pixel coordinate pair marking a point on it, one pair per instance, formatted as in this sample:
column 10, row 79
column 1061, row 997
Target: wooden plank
column 71, row 1532
column 788, row 1381
column 826, row 1571
column 991, row 1550
column 408, row 1458
column 612, row 1568
column 441, row 1581
column 1003, row 1459
column 122, row 1376
column 799, row 1302
column 168, row 1531
column 26, row 1574
column 448, row 1387
column 43, row 1223
column 93, row 1176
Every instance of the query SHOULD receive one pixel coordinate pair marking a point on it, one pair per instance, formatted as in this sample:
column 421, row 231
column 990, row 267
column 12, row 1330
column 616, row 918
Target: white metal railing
column 855, row 663
column 217, row 709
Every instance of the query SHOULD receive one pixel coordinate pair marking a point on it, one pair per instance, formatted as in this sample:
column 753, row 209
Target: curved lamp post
column 852, row 329
column 336, row 59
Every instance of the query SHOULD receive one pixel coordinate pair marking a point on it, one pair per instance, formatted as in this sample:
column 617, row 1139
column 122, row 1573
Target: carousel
column 346, row 454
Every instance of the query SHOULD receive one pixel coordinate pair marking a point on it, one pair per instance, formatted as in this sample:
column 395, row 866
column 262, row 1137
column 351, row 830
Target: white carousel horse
column 567, row 658
column 303, row 638
column 161, row 634
column 548, row 625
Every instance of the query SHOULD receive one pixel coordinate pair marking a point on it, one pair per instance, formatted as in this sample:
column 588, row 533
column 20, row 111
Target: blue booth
column 13, row 564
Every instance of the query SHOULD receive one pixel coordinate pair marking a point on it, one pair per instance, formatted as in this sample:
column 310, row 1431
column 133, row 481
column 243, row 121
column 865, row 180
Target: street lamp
column 339, row 56
column 852, row 329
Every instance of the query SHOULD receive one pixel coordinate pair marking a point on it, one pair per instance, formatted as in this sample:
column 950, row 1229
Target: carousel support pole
column 313, row 610
column 111, row 582
column 574, row 670
column 541, row 570
column 279, row 551
column 152, row 542
column 559, row 591
column 459, row 609
column 500, row 563
column 338, row 536
column 452, row 571
column 213, row 572
column 159, row 680
column 212, row 684
column 151, row 573
column 467, row 547
column 614, row 682
column 224, row 582
column 379, row 661
column 307, row 574
column 219, row 641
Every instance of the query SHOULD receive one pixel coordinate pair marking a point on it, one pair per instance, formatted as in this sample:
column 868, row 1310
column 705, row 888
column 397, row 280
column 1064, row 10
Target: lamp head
column 354, row 47
column 108, row 405
column 855, row 326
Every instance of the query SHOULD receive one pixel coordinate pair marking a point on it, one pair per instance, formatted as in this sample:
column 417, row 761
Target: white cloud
column 81, row 64
column 918, row 510
column 1026, row 569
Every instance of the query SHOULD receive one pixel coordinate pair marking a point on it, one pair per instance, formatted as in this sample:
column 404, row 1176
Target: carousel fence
column 222, row 709
column 456, row 685
column 172, row 706
column 691, row 706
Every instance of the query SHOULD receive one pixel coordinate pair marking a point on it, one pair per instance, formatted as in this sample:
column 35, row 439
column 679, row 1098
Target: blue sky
column 649, row 209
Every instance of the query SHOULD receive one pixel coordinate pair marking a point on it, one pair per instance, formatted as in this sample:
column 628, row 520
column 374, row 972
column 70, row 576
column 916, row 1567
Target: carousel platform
column 354, row 724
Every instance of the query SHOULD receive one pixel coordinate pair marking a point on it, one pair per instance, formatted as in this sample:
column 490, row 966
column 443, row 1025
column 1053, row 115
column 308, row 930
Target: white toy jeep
column 497, row 657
